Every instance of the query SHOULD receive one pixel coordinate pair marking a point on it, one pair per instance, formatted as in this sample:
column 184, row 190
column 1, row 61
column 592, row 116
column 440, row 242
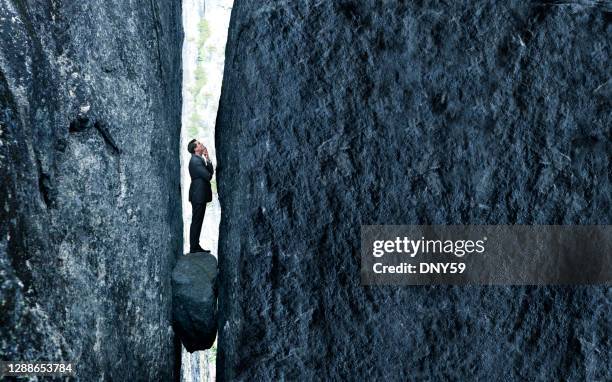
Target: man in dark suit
column 200, row 193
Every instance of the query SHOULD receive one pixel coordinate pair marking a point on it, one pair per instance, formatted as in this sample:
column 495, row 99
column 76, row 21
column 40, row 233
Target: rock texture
column 90, row 216
column 340, row 113
column 194, row 300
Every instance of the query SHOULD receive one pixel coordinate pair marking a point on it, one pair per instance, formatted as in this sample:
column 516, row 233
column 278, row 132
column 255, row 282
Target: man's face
column 199, row 149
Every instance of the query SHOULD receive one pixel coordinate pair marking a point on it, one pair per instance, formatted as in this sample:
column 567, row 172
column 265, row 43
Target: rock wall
column 336, row 114
column 90, row 214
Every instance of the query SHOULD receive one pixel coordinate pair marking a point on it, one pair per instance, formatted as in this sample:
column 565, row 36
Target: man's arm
column 208, row 162
column 209, row 167
column 199, row 170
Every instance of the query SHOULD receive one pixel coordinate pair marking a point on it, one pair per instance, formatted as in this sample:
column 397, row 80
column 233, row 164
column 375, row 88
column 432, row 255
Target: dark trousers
column 197, row 217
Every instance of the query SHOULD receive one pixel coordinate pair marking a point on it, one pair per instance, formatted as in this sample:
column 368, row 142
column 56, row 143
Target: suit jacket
column 201, row 173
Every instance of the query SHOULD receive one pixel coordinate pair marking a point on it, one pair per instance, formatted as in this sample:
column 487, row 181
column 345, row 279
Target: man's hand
column 205, row 154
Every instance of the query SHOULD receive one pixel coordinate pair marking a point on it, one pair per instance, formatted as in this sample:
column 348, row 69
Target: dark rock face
column 336, row 114
column 194, row 300
column 90, row 215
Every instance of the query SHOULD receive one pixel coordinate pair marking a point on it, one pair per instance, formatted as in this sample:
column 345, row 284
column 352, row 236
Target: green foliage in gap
column 212, row 352
column 199, row 100
column 200, row 74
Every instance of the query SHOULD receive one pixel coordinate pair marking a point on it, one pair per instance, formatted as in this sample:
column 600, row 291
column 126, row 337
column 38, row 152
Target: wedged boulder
column 194, row 300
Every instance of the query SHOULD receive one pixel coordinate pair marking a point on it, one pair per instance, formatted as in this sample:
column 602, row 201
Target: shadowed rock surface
column 194, row 300
column 336, row 114
column 90, row 214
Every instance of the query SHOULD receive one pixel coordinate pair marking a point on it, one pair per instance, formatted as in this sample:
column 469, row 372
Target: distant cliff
column 340, row 113
column 90, row 214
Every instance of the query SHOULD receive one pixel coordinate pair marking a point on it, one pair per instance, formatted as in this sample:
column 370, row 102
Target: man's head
column 195, row 147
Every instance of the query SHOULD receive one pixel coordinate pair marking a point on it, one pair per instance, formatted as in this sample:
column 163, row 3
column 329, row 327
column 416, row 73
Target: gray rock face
column 336, row 114
column 194, row 300
column 90, row 214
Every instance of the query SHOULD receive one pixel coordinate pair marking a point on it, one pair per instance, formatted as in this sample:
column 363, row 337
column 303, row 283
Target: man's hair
column 191, row 146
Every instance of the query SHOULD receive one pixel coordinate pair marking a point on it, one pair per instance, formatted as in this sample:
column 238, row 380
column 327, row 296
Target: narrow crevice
column 82, row 123
column 205, row 26
column 44, row 186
